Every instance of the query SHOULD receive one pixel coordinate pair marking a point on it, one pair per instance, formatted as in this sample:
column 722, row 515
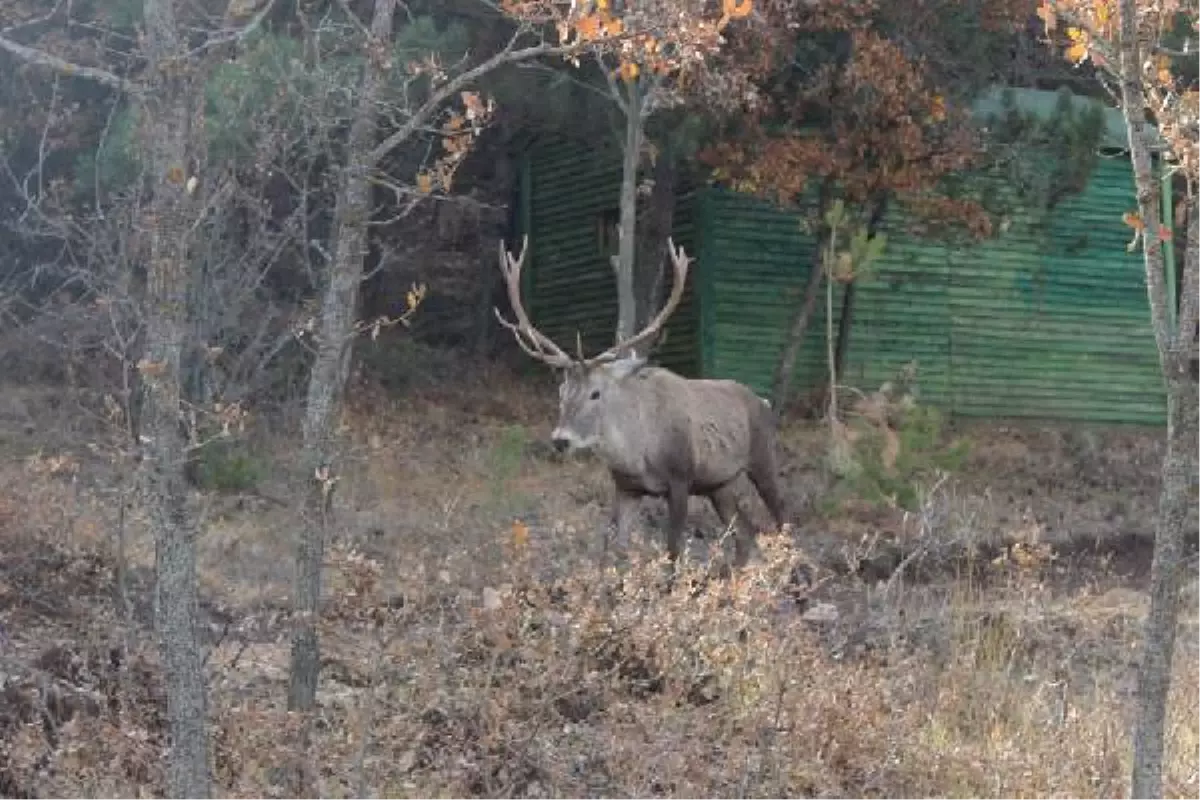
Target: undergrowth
column 474, row 661
column 891, row 447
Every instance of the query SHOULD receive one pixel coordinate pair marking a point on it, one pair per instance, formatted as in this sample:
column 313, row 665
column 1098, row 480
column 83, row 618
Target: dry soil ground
column 985, row 645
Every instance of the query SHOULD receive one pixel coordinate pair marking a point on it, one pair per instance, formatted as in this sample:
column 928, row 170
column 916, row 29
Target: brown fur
column 663, row 435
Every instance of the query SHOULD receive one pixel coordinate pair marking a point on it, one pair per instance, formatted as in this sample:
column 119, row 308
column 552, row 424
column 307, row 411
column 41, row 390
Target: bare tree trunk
column 166, row 127
column 1179, row 465
column 330, row 370
column 338, row 310
column 846, row 317
column 1176, row 521
column 623, row 263
column 785, row 369
column 657, row 222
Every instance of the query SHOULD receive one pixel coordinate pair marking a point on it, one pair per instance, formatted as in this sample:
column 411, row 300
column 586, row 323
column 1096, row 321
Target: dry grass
column 466, row 659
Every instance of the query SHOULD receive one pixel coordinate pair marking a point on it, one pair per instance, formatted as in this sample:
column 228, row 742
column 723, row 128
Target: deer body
column 660, row 434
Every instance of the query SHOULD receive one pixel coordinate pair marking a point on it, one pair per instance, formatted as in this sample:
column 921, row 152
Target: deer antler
column 680, row 261
column 531, row 340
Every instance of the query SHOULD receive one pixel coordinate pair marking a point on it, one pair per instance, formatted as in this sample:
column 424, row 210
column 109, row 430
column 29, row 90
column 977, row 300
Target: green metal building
column 1047, row 321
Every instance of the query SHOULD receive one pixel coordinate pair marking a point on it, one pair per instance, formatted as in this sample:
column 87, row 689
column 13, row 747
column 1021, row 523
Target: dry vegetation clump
column 80, row 700
column 473, row 644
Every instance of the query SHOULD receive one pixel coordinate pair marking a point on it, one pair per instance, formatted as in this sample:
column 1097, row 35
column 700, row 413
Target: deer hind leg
column 728, row 508
column 677, row 508
column 764, row 474
column 624, row 511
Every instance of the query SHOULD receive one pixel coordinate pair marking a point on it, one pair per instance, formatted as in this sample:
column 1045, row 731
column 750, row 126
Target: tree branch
column 237, row 34
column 506, row 56
column 650, row 93
column 613, row 89
column 1133, row 104
column 31, row 55
column 1189, row 304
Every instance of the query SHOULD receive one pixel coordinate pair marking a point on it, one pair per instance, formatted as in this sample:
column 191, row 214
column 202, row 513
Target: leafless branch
column 614, row 89
column 29, row 23
column 567, row 76
column 358, row 23
column 437, row 99
column 1189, row 302
column 237, row 34
column 32, row 55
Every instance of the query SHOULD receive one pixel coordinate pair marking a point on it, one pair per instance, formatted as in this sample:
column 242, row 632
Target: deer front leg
column 624, row 509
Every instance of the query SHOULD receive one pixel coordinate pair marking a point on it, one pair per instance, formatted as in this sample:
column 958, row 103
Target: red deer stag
column 660, row 434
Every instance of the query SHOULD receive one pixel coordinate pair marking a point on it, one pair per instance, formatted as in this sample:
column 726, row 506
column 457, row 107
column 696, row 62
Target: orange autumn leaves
column 1091, row 32
column 658, row 37
column 886, row 131
column 458, row 134
column 663, row 37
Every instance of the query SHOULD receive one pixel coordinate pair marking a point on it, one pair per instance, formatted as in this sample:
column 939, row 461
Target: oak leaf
column 1078, row 50
column 520, row 534
column 735, row 9
column 1163, row 65
column 588, row 27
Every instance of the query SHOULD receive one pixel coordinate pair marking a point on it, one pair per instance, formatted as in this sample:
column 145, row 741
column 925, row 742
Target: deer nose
column 560, row 443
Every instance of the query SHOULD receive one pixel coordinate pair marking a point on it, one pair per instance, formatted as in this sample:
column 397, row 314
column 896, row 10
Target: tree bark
column 623, row 262
column 1175, row 522
column 1179, row 465
column 166, row 129
column 339, row 308
column 845, row 323
column 846, row 318
column 330, row 370
column 657, row 222
column 785, row 369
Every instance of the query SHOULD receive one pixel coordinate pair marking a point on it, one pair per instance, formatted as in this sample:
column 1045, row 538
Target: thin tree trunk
column 623, row 263
column 785, row 368
column 845, row 323
column 330, row 370
column 339, row 306
column 165, row 131
column 1179, row 465
column 1175, row 523
column 657, row 222
column 846, row 320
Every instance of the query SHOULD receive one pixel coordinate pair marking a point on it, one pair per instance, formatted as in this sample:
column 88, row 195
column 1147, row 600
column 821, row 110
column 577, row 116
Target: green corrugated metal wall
column 1043, row 321
column 1046, row 322
column 1058, row 325
column 571, row 286
column 902, row 313
column 757, row 261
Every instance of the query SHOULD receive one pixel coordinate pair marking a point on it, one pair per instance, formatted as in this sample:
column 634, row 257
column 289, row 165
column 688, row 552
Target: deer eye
column 595, row 395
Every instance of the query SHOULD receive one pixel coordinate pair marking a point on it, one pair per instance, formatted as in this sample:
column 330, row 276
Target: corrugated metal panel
column 902, row 314
column 572, row 287
column 1047, row 320
column 759, row 258
column 1053, row 322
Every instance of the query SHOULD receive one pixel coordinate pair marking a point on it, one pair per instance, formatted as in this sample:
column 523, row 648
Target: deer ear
column 625, row 367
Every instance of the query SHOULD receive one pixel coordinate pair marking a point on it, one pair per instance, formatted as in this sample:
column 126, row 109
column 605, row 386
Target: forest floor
column 985, row 644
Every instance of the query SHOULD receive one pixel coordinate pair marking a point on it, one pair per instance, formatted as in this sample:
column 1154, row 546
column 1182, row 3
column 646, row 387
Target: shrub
column 226, row 465
column 892, row 446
